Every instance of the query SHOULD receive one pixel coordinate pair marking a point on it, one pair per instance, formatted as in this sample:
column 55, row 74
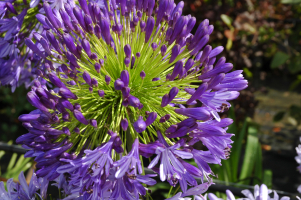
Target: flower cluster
column 18, row 21
column 17, row 61
column 23, row 191
column 261, row 192
column 123, row 77
column 298, row 160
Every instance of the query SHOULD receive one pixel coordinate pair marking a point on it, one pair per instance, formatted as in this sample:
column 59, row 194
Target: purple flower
column 121, row 70
column 22, row 190
column 7, row 49
column 124, row 124
column 12, row 26
column 139, row 125
column 197, row 190
column 129, row 163
column 171, row 168
column 98, row 160
column 202, row 158
column 129, row 186
column 261, row 192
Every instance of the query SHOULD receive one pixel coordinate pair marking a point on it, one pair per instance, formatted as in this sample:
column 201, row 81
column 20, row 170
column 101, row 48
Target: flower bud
column 87, row 77
column 124, row 124
column 101, row 93
column 151, row 118
column 127, row 61
column 125, row 92
column 86, row 46
column 118, row 84
column 134, row 101
column 128, row 51
column 142, row 74
column 97, row 67
column 93, row 123
column 139, row 125
column 107, row 79
column 149, row 28
column 79, row 116
column 125, row 77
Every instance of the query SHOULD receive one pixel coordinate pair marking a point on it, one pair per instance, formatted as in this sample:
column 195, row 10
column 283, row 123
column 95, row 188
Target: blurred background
column 262, row 38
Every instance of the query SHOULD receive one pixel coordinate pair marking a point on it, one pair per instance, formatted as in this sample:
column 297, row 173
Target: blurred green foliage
column 261, row 37
column 13, row 164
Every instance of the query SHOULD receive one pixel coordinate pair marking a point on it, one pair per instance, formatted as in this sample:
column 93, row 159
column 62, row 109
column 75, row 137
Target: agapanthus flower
column 23, row 191
column 191, row 192
column 95, row 173
column 16, row 60
column 261, row 192
column 12, row 25
column 298, row 160
column 122, row 91
column 5, row 6
column 18, row 20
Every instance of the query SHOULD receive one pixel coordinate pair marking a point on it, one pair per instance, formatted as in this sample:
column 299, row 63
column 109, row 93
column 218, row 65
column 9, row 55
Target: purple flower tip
column 151, row 118
column 87, row 77
column 133, row 101
column 155, row 79
column 162, row 119
column 107, row 79
column 124, row 124
column 118, row 84
column 127, row 61
column 124, row 76
column 154, row 46
column 101, row 93
column 93, row 122
column 139, row 125
column 97, row 67
column 66, row 130
column 128, row 51
column 142, row 74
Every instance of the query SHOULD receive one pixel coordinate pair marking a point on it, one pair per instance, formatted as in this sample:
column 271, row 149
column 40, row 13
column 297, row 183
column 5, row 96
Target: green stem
column 176, row 190
column 169, row 191
column 60, row 195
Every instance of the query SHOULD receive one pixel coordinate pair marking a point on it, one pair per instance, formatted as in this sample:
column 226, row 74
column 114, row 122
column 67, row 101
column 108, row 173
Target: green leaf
column 250, row 156
column 279, row 116
column 290, row 1
column 295, row 83
column 279, row 59
column 227, row 171
column 295, row 65
column 295, row 112
column 267, row 178
column 12, row 161
column 229, row 44
column 258, row 166
column 232, row 128
column 227, row 20
column 248, row 73
column 236, row 149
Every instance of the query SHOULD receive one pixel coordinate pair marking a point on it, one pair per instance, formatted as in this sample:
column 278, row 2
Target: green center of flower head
column 108, row 109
